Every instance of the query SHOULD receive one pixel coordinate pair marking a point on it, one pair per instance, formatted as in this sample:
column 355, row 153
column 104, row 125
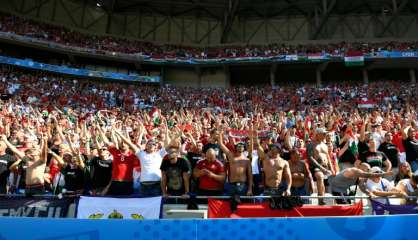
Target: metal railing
column 217, row 197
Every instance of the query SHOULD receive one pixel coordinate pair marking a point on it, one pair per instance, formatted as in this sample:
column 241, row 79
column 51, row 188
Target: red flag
column 221, row 209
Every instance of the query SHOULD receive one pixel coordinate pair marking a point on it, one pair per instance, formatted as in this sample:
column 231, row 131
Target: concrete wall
column 214, row 77
column 189, row 77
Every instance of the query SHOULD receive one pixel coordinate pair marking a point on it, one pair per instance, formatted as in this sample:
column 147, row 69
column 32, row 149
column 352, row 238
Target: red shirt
column 123, row 165
column 54, row 168
column 206, row 182
column 397, row 141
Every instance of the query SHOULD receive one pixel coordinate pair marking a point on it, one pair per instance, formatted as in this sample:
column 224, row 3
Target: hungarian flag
column 154, row 115
column 366, row 103
column 354, row 58
column 241, row 135
column 222, row 209
column 352, row 145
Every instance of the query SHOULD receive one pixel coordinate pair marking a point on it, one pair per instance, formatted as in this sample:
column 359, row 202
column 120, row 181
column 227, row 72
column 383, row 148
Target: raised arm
column 44, row 148
column 167, row 139
column 103, row 136
column 114, row 138
column 16, row 151
column 128, row 141
column 363, row 174
column 260, row 151
column 57, row 157
column 404, row 131
column 251, row 145
column 59, row 130
column 223, row 147
column 363, row 130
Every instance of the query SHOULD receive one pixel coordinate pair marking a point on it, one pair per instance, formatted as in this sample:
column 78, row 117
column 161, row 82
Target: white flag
column 119, row 208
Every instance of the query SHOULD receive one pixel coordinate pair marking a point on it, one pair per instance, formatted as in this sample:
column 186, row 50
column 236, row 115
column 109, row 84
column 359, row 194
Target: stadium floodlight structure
column 214, row 22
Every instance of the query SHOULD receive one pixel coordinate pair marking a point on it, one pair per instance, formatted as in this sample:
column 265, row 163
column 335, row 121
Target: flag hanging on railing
column 354, row 58
column 119, row 208
column 222, row 209
column 381, row 209
column 316, row 57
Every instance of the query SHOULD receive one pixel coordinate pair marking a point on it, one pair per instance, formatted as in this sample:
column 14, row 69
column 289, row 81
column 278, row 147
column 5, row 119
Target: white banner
column 119, row 208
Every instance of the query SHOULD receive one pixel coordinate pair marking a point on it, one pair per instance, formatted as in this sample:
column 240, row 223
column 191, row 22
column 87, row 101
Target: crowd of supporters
column 114, row 45
column 62, row 135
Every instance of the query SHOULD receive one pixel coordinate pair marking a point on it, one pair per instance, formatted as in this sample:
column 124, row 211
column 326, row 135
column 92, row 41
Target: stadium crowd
column 102, row 44
column 63, row 135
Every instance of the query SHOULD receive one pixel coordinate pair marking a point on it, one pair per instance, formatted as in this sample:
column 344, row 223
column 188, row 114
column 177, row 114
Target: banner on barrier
column 119, row 208
column 77, row 71
column 381, row 209
column 32, row 207
column 222, row 209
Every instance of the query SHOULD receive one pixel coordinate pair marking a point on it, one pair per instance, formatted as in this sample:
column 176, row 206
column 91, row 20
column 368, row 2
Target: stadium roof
column 221, row 9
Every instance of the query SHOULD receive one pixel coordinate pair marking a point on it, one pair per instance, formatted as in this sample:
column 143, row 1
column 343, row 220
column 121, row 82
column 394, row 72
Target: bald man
column 211, row 174
column 348, row 177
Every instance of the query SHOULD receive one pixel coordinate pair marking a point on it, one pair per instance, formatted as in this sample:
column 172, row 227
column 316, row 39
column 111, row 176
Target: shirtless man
column 301, row 177
column 274, row 167
column 320, row 163
column 240, row 171
column 35, row 161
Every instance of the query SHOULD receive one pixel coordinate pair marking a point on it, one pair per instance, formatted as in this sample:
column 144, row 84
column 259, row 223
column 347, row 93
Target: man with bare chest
column 301, row 177
column 274, row 168
column 320, row 163
column 35, row 162
column 239, row 170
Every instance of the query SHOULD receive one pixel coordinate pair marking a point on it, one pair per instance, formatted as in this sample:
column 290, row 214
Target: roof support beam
column 328, row 6
column 396, row 12
column 109, row 16
column 229, row 19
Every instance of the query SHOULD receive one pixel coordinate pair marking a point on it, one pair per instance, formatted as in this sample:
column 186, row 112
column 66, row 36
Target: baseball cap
column 376, row 170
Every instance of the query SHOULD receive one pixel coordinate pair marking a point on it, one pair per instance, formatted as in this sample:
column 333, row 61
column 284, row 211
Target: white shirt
column 378, row 138
column 407, row 184
column 383, row 185
column 254, row 162
column 150, row 165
